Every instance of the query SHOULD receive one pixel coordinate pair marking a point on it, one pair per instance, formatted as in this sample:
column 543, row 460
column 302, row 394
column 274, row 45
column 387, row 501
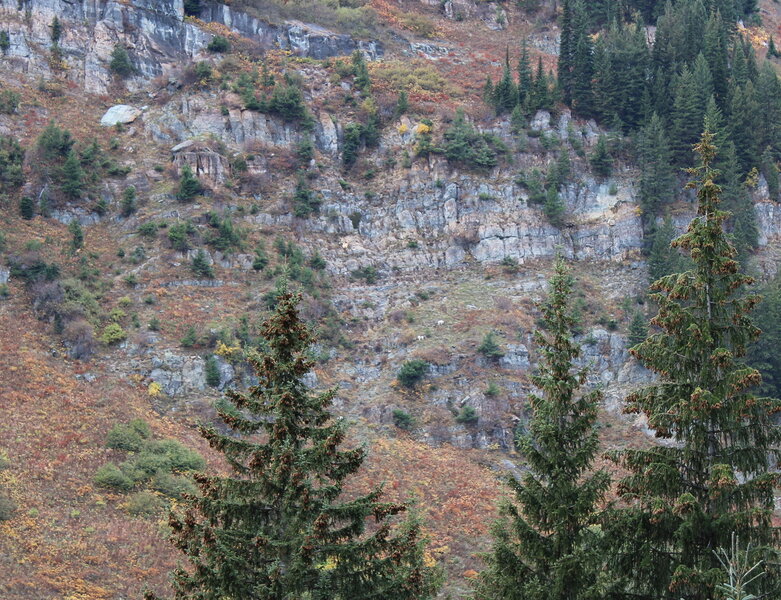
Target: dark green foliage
column 287, row 101
column 656, row 172
column 489, row 347
column 638, row 329
column 77, row 233
column 305, row 150
column 203, row 71
column 179, row 235
column 111, row 476
column 664, row 259
column 305, row 201
column 192, row 8
column 130, row 437
column 212, row 370
column 128, row 206
column 403, row 420
column 189, row 186
column 277, row 527
column 72, row 176
column 412, row 372
column 466, row 146
column 219, row 44
column 554, row 208
column 9, row 102
column 260, row 261
column 5, row 42
column 505, row 94
column 402, row 104
column 770, row 171
column 600, row 159
column 543, row 545
column 685, row 499
column 368, row 274
column 317, row 262
column 467, row 416
column 351, row 144
column 54, row 143
column 56, row 30
column 190, row 338
column 200, row 265
column 227, row 237
column 11, row 161
column 27, row 207
column 120, row 62
column 362, row 80
column 764, row 353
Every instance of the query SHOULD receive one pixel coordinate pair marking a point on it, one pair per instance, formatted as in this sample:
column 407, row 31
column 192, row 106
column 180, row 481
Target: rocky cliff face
column 157, row 36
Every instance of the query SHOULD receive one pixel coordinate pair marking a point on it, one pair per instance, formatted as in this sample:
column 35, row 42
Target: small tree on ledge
column 279, row 527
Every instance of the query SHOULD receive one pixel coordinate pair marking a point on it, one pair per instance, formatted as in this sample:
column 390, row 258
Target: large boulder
column 121, row 113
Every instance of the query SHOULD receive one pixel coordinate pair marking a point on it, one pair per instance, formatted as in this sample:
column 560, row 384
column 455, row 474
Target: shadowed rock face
column 154, row 32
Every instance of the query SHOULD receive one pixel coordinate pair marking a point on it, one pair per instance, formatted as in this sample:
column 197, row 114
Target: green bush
column 120, row 62
column 173, row 486
column 467, row 416
column 110, row 476
column 489, row 348
column 190, row 338
column 219, row 44
column 212, row 372
column 179, row 236
column 129, row 436
column 27, row 207
column 113, row 334
column 412, row 372
column 200, row 265
column 287, row 101
column 189, row 186
column 464, row 145
column 403, row 420
column 368, row 274
column 129, row 201
column 143, row 504
column 9, row 102
column 178, row 458
column 123, row 437
column 11, row 161
column 305, row 201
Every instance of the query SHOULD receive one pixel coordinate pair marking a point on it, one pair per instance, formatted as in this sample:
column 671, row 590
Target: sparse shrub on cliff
column 412, row 372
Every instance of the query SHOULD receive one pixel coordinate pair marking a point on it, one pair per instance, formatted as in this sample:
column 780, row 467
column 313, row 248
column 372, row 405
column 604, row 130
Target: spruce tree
column 770, row 171
column 566, row 51
column 656, row 172
column 189, row 186
column 200, row 265
column 543, row 546
column 582, row 75
column 505, row 93
column 72, row 176
column 686, row 119
column 638, row 329
column 663, row 259
column 763, row 353
column 120, row 62
column 278, row 527
column 525, row 78
column 600, row 159
column 27, row 208
column 687, row 499
column 745, row 122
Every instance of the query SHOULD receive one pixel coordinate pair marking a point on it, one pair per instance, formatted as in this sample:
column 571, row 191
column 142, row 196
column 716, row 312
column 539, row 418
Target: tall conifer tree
column 278, row 528
column 687, row 499
column 543, row 546
column 656, row 173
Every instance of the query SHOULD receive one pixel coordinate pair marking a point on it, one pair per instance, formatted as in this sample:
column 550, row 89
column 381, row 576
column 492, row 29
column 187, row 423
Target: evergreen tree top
column 279, row 527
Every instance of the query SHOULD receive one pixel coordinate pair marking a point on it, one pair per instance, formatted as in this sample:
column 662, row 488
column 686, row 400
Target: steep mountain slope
column 401, row 257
